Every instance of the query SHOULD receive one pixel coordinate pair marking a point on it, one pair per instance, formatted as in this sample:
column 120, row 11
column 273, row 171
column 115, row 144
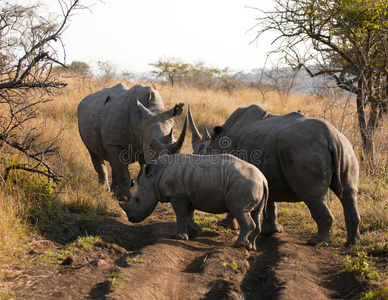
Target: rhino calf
column 210, row 183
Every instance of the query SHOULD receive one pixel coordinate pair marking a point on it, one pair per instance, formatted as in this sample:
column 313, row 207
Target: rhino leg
column 256, row 232
column 101, row 169
column 182, row 211
column 229, row 222
column 247, row 225
column 270, row 222
column 324, row 219
column 352, row 217
column 120, row 173
column 193, row 228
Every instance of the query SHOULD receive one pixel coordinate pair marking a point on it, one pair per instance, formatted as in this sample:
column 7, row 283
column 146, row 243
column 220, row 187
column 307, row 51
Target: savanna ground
column 72, row 241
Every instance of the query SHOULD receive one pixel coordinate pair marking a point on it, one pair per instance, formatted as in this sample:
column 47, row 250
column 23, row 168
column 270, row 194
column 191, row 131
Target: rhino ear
column 148, row 169
column 176, row 110
column 145, row 112
column 218, row 130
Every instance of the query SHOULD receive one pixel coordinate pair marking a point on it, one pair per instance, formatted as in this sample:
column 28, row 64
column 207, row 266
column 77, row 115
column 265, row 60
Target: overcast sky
column 133, row 34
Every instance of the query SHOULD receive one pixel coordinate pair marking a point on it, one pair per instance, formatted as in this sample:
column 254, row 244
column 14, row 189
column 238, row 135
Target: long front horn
column 195, row 135
column 178, row 144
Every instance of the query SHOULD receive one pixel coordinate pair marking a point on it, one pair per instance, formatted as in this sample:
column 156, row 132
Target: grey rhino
column 214, row 184
column 121, row 126
column 301, row 158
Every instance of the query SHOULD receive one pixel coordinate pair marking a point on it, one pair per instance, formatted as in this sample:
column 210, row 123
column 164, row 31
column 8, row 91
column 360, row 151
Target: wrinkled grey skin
column 214, row 184
column 121, row 126
column 301, row 158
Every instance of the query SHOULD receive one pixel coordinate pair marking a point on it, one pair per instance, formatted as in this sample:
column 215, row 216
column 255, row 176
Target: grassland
column 31, row 208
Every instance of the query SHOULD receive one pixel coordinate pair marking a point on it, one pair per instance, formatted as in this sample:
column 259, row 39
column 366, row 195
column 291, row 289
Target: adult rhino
column 301, row 158
column 121, row 126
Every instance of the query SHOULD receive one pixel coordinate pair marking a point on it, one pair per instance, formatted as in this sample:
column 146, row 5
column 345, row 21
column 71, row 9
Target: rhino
column 122, row 126
column 213, row 184
column 301, row 158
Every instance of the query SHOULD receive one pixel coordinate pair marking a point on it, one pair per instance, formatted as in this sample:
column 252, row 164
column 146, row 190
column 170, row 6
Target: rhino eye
column 137, row 200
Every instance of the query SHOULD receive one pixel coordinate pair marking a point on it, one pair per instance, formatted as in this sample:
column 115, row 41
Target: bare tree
column 107, row 72
column 337, row 107
column 282, row 80
column 27, row 56
column 347, row 40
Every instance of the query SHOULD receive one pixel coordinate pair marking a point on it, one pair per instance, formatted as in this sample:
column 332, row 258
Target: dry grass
column 80, row 192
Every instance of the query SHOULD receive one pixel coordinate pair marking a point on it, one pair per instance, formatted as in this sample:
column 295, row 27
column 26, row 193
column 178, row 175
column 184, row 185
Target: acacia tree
column 345, row 39
column 228, row 81
column 171, row 68
column 27, row 56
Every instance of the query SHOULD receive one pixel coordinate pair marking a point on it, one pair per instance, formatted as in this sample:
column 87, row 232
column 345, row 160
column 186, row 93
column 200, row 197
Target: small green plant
column 131, row 261
column 377, row 294
column 362, row 265
column 233, row 265
column 9, row 295
column 71, row 250
column 87, row 241
column 112, row 281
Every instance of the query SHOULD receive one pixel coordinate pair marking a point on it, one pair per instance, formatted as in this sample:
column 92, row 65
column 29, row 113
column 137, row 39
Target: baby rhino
column 210, row 183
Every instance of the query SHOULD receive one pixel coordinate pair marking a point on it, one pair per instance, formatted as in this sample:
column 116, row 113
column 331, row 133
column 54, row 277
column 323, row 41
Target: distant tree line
column 175, row 70
column 171, row 70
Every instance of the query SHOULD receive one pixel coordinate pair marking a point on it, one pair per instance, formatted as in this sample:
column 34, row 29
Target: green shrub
column 362, row 265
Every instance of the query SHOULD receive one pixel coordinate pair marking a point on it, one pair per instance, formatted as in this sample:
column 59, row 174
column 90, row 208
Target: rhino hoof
column 194, row 231
column 240, row 244
column 250, row 247
column 315, row 241
column 180, row 236
column 268, row 229
column 351, row 242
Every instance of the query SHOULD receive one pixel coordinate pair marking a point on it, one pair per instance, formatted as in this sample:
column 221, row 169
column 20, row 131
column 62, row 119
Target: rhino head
column 144, row 201
column 157, row 131
column 206, row 143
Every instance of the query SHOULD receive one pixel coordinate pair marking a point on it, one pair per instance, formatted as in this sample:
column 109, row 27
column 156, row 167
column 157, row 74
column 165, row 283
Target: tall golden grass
column 80, row 191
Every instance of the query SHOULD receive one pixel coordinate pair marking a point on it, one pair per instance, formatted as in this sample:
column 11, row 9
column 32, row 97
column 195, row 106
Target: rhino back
column 206, row 180
column 281, row 146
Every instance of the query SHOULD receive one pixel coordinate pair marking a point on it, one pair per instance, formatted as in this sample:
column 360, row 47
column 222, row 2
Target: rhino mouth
column 136, row 215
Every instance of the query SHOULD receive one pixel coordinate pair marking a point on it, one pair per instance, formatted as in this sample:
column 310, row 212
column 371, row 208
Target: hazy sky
column 133, row 34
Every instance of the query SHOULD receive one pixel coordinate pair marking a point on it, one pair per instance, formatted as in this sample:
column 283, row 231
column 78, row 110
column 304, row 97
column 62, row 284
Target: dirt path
column 140, row 262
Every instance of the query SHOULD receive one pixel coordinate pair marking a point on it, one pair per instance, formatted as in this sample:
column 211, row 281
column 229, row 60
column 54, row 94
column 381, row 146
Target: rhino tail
column 265, row 200
column 336, row 184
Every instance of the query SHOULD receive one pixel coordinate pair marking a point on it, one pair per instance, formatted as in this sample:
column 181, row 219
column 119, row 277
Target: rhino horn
column 174, row 148
column 207, row 135
column 196, row 136
column 169, row 136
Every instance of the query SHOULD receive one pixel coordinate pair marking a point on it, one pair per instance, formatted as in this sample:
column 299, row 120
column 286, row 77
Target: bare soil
column 139, row 261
